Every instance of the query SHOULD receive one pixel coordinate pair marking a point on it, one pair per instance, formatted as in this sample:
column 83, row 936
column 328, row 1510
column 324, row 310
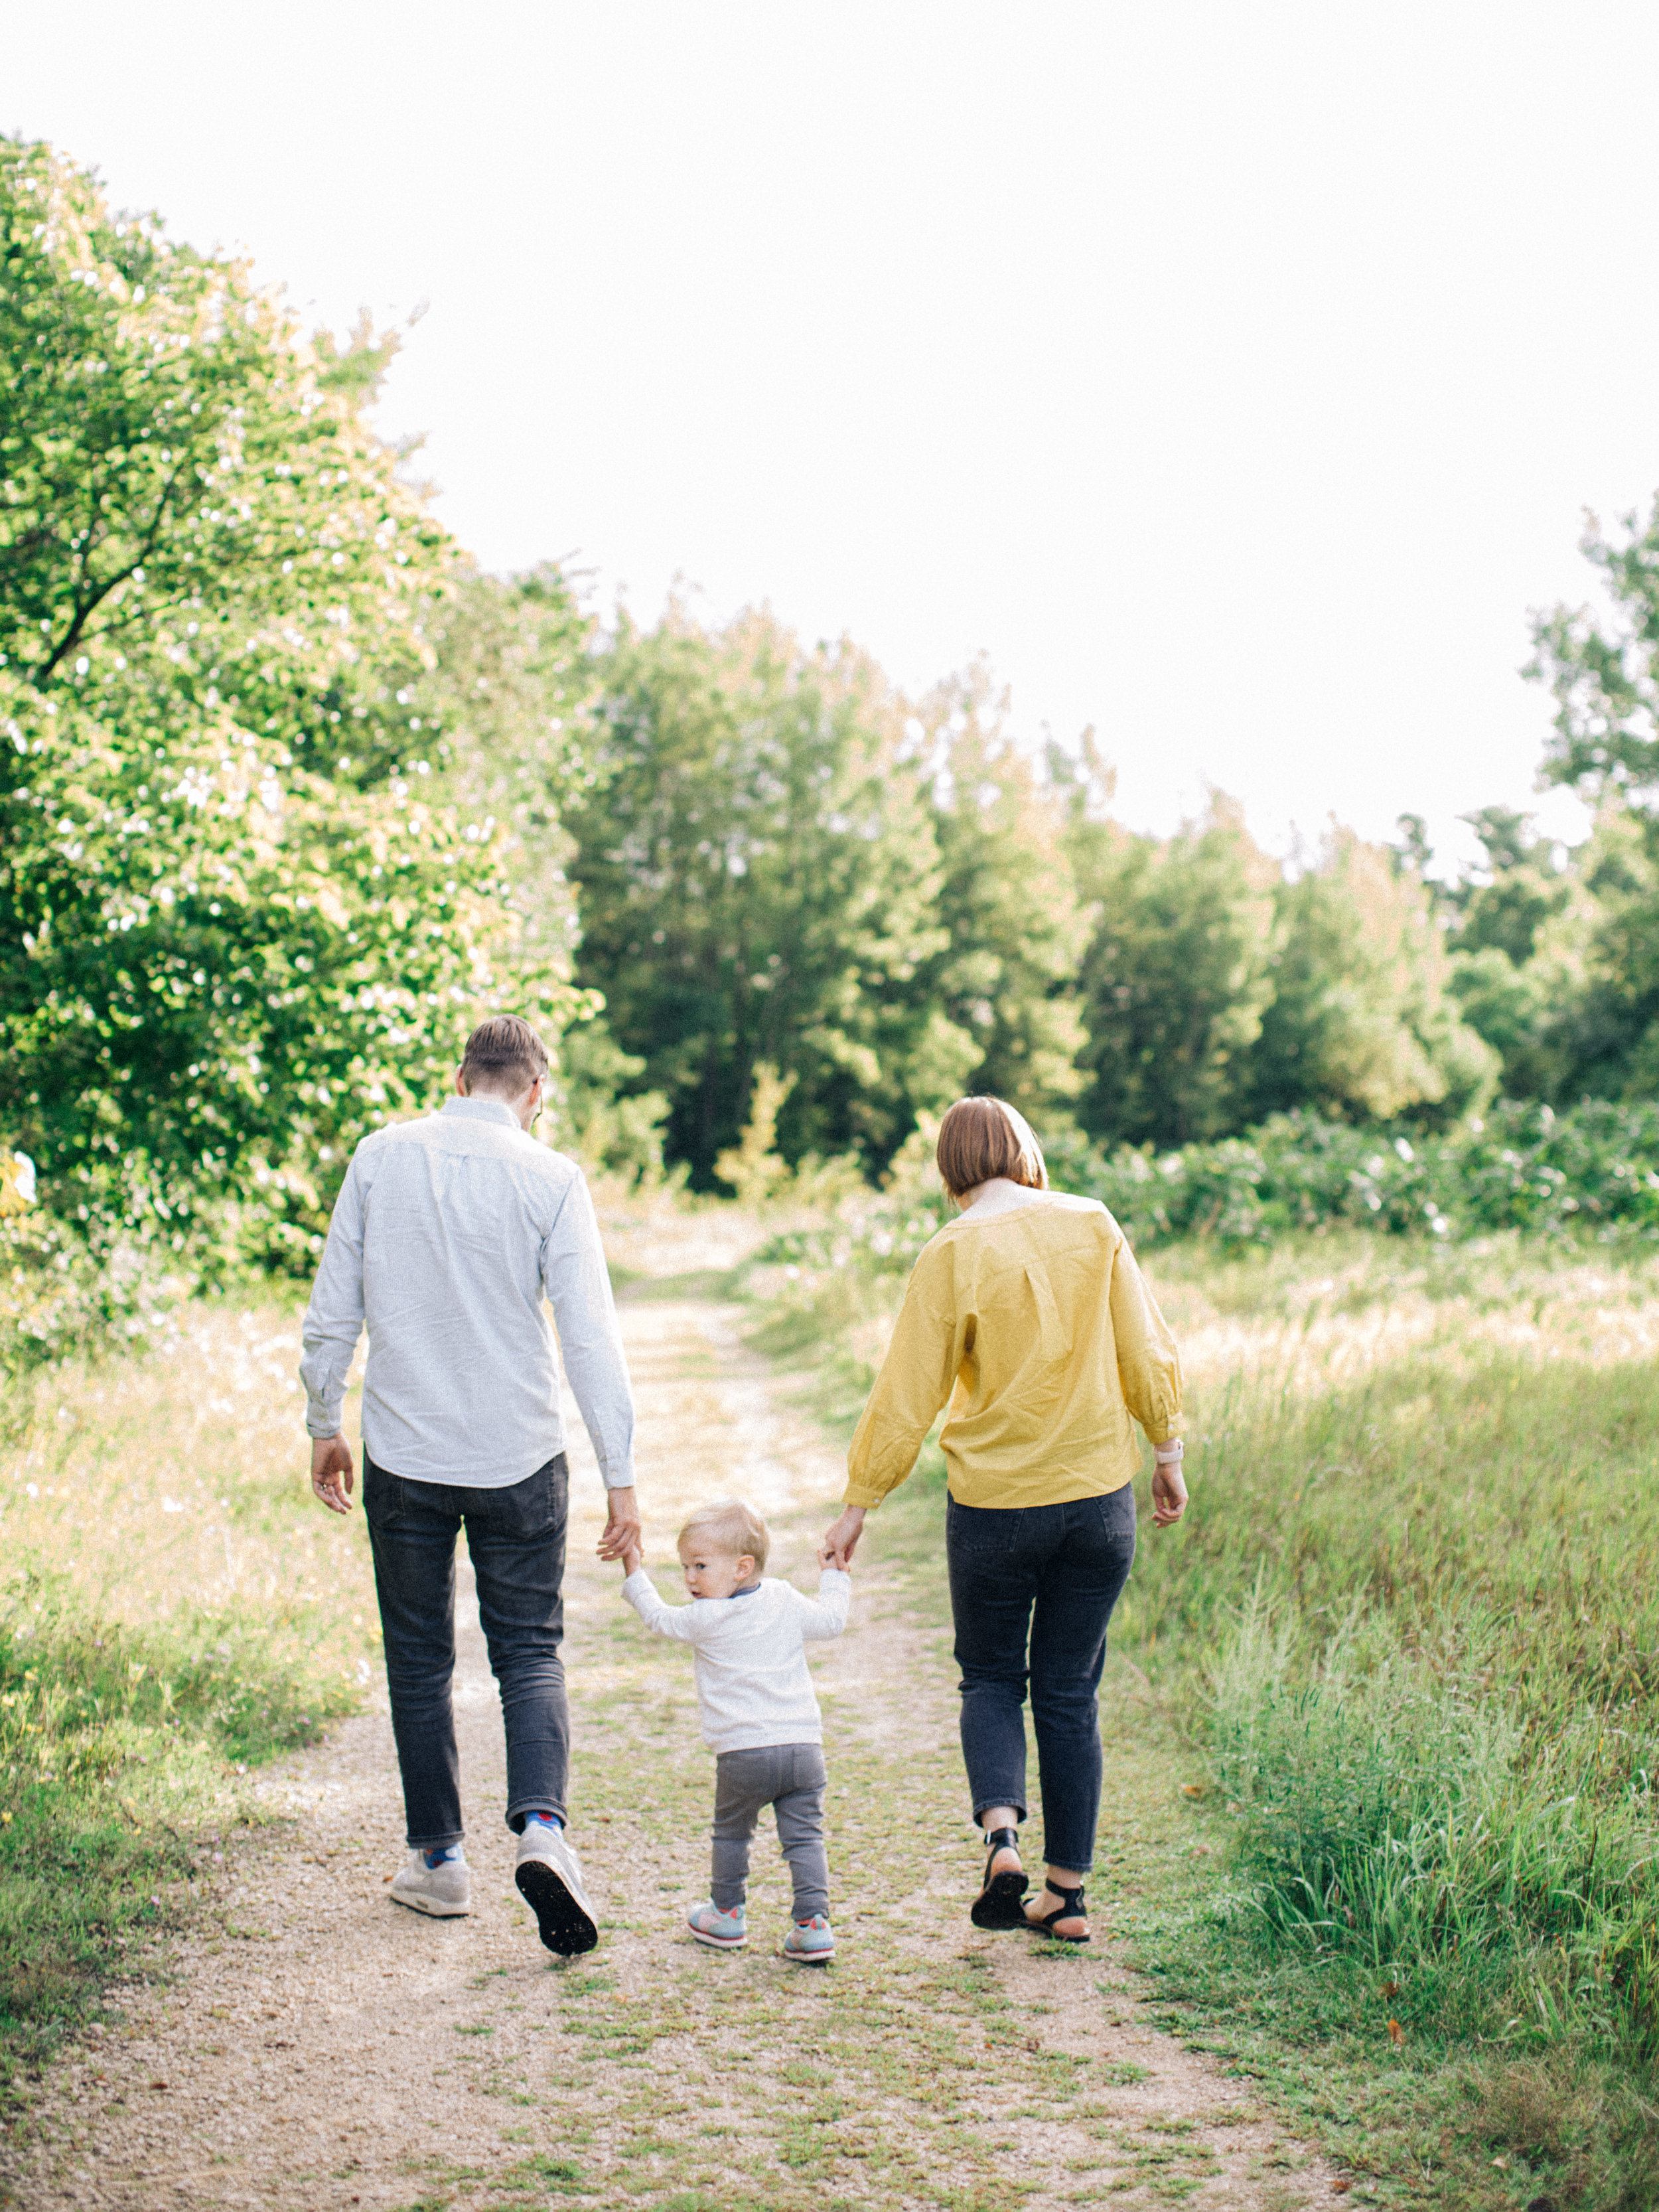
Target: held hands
column 332, row 1475
column 622, row 1529
column 841, row 1539
column 1169, row 1493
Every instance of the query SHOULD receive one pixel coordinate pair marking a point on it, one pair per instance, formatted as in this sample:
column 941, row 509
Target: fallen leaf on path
column 1396, row 2034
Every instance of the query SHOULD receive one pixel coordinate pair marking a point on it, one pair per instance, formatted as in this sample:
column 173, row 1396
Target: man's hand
column 841, row 1539
column 330, row 1472
column 622, row 1530
column 1169, row 1495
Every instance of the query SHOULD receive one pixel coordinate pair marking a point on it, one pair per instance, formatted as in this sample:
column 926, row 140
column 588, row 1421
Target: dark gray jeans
column 1047, row 1576
column 516, row 1537
column 790, row 1779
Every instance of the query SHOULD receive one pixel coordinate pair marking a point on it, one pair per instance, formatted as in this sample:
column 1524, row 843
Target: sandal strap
column 1001, row 1839
column 1072, row 1900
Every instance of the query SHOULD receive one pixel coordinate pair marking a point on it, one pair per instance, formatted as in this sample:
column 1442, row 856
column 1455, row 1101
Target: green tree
column 234, row 930
column 1176, row 976
column 758, row 880
column 1501, row 917
column 1360, row 1020
column 1600, row 1026
column 1601, row 667
column 1006, row 977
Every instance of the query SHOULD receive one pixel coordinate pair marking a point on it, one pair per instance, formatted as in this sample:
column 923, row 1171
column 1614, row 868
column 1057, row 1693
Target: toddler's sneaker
column 437, row 1882
column 810, row 1942
column 550, row 1878
column 721, row 1931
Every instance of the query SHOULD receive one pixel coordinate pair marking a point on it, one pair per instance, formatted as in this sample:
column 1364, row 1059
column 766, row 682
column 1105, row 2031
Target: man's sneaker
column 721, row 1931
column 550, row 1878
column 444, row 1890
column 810, row 1942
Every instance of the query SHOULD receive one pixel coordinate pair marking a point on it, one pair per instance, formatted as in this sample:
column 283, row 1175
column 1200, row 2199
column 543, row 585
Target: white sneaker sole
column 434, row 1907
column 805, row 1958
column 717, row 1942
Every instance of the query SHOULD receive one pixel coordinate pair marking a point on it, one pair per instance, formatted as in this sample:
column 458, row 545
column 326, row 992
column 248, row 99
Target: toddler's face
column 714, row 1574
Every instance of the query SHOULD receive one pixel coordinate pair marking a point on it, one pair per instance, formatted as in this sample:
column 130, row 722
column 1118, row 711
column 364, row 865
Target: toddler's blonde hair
column 731, row 1527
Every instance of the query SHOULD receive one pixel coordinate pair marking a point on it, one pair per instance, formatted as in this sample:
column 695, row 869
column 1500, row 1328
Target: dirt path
column 319, row 2047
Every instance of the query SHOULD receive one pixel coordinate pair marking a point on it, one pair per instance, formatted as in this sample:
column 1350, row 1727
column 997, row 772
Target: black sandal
column 1070, row 1907
column 998, row 1903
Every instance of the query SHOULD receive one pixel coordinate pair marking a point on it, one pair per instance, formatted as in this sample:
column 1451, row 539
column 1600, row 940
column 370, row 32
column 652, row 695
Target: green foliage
column 597, row 1114
column 1005, row 978
column 1600, row 669
column 1592, row 1173
column 1393, row 1812
column 236, row 931
column 1359, row 1020
column 113, row 1747
column 757, row 881
column 1176, row 980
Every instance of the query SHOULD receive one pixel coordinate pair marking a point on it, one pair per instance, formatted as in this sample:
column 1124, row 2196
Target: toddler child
column 760, row 1718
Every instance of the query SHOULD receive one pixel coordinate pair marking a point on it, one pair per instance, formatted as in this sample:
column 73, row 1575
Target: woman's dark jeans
column 515, row 1536
column 1053, row 1572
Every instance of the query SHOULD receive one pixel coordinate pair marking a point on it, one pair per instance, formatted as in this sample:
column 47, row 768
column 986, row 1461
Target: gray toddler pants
column 790, row 1779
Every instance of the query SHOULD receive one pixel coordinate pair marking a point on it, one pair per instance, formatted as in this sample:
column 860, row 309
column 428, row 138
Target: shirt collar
column 753, row 1590
column 482, row 1109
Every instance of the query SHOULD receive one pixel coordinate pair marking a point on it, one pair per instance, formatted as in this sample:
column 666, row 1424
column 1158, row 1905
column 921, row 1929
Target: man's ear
column 460, row 1083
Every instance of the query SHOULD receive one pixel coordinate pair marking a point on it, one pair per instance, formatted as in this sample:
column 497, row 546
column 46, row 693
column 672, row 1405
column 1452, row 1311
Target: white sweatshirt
column 750, row 1662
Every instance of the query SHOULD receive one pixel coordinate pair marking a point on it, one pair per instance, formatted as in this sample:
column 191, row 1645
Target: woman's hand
column 841, row 1539
column 1169, row 1493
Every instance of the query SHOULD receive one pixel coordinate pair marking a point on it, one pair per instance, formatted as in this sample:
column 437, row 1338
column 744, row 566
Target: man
column 447, row 1235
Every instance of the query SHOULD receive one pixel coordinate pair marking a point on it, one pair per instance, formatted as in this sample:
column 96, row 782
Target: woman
column 1031, row 1309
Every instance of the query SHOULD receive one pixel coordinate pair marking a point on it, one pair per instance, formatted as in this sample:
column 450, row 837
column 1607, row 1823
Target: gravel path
column 318, row 2047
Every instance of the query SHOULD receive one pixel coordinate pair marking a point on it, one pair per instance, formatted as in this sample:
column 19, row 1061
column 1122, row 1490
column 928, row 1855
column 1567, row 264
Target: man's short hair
column 503, row 1054
column 731, row 1528
column 980, row 1138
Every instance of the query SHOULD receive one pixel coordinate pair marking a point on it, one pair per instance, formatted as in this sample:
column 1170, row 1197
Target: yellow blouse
column 1038, row 1326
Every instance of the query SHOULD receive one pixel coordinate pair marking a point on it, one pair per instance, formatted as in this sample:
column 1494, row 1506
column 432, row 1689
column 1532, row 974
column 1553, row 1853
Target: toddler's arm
column 826, row 1614
column 681, row 1621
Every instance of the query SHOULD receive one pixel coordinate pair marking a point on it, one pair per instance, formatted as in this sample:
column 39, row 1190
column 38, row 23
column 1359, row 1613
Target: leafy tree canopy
column 241, row 917
column 759, row 879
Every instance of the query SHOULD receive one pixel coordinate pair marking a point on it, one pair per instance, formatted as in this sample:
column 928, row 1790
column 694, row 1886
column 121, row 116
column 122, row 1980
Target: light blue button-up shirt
column 447, row 1235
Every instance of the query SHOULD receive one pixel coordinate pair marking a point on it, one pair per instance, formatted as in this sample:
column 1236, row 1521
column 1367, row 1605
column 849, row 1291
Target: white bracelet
column 1171, row 1455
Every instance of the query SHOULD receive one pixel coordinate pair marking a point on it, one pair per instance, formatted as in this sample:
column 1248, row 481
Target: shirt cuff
column 319, row 1421
column 619, row 1478
column 859, row 1493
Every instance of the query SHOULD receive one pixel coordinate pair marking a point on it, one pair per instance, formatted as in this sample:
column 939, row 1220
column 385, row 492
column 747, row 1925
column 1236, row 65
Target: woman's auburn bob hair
column 980, row 1138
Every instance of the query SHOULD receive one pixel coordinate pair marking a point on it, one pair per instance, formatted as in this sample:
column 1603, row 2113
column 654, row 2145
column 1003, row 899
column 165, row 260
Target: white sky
column 1234, row 376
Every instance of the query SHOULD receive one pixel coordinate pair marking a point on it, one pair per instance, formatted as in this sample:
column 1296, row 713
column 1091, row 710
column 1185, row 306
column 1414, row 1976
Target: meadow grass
column 174, row 1608
column 1411, row 1627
